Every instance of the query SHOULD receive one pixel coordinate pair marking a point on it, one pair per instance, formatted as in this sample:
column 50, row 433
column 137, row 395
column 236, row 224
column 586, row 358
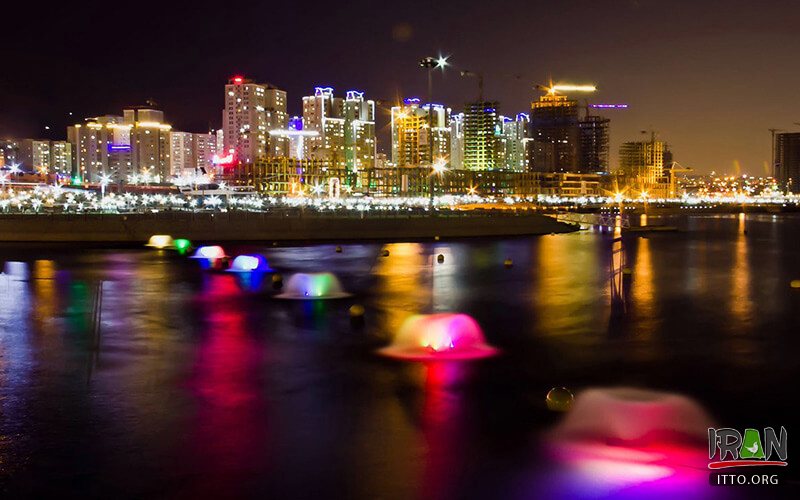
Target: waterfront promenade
column 277, row 226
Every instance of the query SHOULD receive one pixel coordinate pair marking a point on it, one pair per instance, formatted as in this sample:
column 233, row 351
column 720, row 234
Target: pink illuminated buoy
column 636, row 441
column 625, row 414
column 439, row 337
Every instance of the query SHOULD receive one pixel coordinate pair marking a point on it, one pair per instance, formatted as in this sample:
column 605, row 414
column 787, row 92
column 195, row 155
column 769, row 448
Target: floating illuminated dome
column 439, row 337
column 628, row 443
column 634, row 415
column 211, row 257
column 302, row 286
column 182, row 245
column 161, row 242
column 250, row 264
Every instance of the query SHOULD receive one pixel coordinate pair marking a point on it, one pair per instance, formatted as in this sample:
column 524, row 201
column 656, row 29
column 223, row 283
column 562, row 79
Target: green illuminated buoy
column 183, row 246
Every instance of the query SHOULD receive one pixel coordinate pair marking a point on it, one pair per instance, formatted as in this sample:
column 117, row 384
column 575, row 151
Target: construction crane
column 674, row 168
column 564, row 88
column 479, row 76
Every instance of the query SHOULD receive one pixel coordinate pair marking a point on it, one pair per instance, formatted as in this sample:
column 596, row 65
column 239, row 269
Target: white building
column 251, row 111
column 61, row 157
column 515, row 135
column 100, row 145
column 345, row 129
column 150, row 142
column 192, row 153
column 34, row 154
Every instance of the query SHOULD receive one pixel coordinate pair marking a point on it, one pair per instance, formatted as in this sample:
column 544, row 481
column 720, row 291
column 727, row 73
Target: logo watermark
column 732, row 449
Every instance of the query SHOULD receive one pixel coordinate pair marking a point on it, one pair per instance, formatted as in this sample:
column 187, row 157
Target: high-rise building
column 787, row 161
column 191, row 153
column 251, row 111
column 181, row 153
column 641, row 165
column 339, row 131
column 61, row 157
column 149, row 140
column 101, row 145
column 482, row 133
column 457, row 141
column 413, row 126
column 34, row 155
column 515, row 137
column 593, row 144
column 554, row 130
column 359, row 132
column 205, row 149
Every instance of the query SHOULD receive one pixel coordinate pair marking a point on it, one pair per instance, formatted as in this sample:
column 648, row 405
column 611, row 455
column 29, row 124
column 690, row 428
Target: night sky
column 710, row 76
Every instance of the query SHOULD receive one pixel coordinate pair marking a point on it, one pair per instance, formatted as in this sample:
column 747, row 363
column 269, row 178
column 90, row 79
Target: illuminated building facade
column 192, row 153
column 100, row 145
column 457, row 141
column 359, row 132
column 35, row 155
column 554, row 131
column 322, row 113
column 149, row 142
column 339, row 131
column 292, row 177
column 251, row 111
column 787, row 161
column 515, row 138
column 642, row 167
column 61, row 157
column 410, row 133
column 482, row 136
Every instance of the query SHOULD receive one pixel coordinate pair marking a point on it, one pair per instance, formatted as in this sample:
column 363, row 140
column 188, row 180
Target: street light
column 105, row 179
column 430, row 63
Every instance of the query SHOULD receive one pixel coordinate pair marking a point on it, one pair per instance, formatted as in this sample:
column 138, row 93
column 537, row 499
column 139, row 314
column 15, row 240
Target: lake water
column 195, row 387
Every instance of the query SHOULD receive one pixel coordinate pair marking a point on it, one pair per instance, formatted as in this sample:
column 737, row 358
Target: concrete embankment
column 250, row 226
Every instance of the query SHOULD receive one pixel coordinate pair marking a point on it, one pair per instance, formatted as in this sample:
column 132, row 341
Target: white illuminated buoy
column 161, row 241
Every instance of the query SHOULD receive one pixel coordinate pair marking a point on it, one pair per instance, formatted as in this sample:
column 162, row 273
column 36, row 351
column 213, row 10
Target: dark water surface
column 196, row 388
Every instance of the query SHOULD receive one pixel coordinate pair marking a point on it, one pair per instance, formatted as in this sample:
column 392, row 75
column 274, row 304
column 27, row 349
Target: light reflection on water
column 201, row 387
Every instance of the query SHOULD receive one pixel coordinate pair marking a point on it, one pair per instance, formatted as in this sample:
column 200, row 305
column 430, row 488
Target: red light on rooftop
column 238, row 79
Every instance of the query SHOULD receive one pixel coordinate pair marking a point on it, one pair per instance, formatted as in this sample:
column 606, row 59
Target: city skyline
column 710, row 100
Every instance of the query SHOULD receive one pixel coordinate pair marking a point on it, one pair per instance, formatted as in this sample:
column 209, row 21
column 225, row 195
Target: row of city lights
column 66, row 200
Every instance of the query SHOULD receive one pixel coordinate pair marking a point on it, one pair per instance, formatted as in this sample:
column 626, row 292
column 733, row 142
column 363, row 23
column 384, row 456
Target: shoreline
column 111, row 229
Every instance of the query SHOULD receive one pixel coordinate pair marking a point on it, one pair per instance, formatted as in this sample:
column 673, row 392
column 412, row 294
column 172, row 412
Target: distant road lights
column 15, row 170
